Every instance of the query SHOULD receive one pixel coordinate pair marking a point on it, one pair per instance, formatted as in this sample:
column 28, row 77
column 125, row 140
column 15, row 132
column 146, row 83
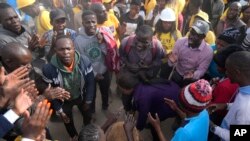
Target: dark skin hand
column 33, row 42
column 56, row 93
column 129, row 126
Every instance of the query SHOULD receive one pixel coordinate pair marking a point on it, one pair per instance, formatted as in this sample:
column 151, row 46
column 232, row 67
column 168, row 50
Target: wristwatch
column 212, row 128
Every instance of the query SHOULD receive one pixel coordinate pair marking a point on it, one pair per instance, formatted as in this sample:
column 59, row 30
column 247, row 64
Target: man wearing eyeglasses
column 191, row 55
column 141, row 56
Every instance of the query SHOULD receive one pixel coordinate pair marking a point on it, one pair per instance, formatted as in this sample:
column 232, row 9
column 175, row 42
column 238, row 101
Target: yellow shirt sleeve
column 149, row 5
column 210, row 38
column 43, row 22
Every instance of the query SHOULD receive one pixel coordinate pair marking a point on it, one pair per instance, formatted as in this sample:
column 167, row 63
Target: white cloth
column 26, row 139
column 11, row 116
column 238, row 114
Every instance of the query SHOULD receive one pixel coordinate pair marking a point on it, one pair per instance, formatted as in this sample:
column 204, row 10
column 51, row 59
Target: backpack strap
column 128, row 44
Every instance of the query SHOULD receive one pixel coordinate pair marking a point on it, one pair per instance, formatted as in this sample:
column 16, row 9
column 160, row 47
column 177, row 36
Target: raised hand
column 33, row 126
column 171, row 103
column 33, row 42
column 154, row 121
column 22, row 102
column 129, row 122
column 129, row 126
column 2, row 76
column 174, row 107
column 15, row 81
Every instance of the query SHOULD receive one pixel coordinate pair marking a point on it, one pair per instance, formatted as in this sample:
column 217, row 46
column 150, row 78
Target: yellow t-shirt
column 149, row 5
column 168, row 41
column 43, row 23
column 210, row 38
column 77, row 9
column 112, row 23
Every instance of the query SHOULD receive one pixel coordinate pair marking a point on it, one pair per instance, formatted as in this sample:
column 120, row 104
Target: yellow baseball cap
column 106, row 1
column 203, row 15
column 24, row 3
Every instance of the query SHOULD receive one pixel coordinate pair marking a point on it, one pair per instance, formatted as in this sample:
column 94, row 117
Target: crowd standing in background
column 182, row 59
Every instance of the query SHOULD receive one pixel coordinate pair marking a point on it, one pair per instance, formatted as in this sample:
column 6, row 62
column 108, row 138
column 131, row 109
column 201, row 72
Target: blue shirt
column 195, row 129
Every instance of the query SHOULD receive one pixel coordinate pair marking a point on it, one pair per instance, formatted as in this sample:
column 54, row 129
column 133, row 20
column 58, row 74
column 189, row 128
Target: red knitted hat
column 196, row 96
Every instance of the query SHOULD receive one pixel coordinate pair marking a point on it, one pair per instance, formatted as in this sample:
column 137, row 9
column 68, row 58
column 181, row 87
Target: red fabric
column 180, row 22
column 224, row 92
column 112, row 58
column 201, row 91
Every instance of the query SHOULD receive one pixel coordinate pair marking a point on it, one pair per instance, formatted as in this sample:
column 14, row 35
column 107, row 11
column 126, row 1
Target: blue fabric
column 196, row 128
column 245, row 90
column 212, row 69
column 5, row 126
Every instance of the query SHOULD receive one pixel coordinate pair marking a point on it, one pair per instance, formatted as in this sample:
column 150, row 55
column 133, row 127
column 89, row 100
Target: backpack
column 131, row 39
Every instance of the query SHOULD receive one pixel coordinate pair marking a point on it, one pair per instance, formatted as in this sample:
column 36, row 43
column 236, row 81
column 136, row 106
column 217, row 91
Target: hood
column 57, row 63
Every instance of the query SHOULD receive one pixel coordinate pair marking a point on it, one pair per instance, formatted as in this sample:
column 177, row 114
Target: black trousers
column 104, row 86
column 67, row 108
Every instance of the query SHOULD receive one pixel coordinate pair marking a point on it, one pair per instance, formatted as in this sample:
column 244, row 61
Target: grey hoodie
column 89, row 46
column 7, row 36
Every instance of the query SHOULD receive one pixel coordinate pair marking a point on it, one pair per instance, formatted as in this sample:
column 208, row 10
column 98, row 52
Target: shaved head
column 14, row 55
column 239, row 60
column 238, row 68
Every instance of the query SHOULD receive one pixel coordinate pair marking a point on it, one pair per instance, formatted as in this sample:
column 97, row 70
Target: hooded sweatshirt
column 70, row 79
column 89, row 46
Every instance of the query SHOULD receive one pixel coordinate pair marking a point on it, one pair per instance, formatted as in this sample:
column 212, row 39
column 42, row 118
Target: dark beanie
column 221, row 56
column 230, row 35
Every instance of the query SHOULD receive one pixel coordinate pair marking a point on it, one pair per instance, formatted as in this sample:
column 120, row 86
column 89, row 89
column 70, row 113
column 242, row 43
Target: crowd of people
column 182, row 59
